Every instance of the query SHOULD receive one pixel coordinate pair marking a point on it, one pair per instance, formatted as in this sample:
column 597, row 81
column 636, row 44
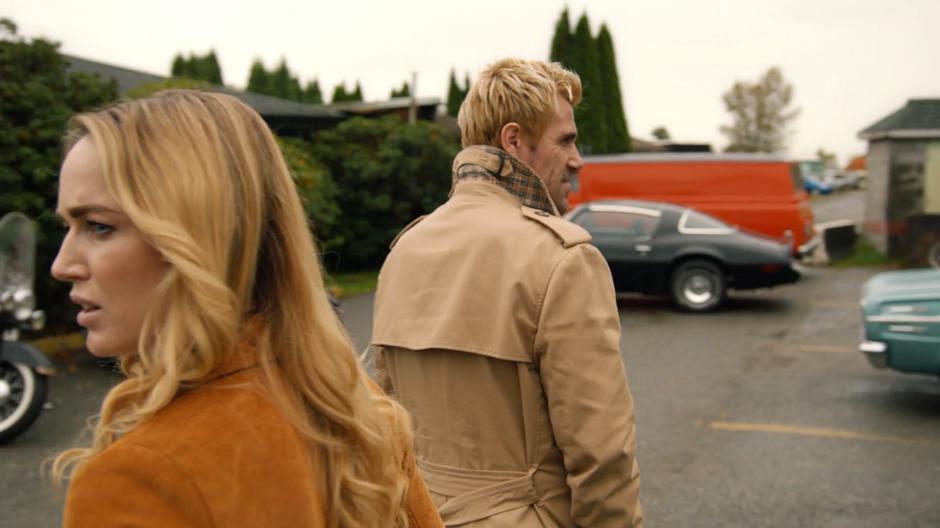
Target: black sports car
column 659, row 248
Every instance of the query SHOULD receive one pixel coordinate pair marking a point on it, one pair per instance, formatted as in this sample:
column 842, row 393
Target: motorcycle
column 24, row 370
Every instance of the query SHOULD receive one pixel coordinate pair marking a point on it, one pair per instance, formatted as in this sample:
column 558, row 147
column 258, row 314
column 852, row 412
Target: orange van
column 754, row 192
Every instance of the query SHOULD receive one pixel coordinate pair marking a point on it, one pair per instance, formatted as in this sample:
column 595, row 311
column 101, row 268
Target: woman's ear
column 510, row 138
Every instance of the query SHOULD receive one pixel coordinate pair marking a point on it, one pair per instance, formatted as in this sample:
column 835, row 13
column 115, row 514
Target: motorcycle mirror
column 17, row 264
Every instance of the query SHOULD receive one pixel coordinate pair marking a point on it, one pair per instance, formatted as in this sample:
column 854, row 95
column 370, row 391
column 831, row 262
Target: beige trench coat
column 496, row 326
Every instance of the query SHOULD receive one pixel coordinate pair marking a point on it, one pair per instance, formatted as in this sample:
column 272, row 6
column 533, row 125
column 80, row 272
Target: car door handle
column 643, row 248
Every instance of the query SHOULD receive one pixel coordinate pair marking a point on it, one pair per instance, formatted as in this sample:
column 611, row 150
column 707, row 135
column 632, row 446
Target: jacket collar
column 496, row 166
column 245, row 355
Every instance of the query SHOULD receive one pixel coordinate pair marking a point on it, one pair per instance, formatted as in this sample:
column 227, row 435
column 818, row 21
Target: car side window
column 622, row 223
column 696, row 220
column 695, row 223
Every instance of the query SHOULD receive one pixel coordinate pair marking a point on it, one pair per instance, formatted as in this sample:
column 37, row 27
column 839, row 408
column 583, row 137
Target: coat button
column 541, row 213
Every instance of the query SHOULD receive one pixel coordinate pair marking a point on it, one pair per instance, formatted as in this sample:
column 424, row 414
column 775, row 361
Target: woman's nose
column 68, row 265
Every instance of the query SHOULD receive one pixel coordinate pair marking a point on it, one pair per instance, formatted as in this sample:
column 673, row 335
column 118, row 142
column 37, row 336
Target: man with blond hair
column 496, row 325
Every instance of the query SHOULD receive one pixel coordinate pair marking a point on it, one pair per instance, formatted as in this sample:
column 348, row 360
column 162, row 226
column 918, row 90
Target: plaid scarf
column 490, row 164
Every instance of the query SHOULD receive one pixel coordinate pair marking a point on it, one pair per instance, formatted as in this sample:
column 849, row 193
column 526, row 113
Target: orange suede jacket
column 221, row 455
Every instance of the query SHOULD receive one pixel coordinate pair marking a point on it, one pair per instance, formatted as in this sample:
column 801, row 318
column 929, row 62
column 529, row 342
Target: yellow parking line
column 821, row 348
column 838, row 304
column 805, row 347
column 814, row 431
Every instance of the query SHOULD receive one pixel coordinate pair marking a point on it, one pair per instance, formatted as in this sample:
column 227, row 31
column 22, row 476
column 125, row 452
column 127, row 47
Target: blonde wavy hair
column 200, row 175
column 515, row 91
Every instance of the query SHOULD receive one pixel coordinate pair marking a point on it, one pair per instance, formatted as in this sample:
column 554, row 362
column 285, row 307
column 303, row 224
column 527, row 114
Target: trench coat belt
column 476, row 493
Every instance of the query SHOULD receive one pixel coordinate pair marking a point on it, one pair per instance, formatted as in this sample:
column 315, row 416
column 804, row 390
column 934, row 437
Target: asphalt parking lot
column 763, row 414
column 766, row 414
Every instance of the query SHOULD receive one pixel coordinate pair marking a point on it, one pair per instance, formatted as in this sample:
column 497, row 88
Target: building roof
column 381, row 107
column 284, row 116
column 126, row 79
column 856, row 164
column 277, row 107
column 643, row 145
column 918, row 119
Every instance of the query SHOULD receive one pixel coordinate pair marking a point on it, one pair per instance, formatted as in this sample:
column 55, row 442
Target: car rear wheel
column 698, row 286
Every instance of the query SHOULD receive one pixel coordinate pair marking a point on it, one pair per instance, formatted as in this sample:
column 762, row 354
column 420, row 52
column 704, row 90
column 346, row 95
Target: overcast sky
column 851, row 61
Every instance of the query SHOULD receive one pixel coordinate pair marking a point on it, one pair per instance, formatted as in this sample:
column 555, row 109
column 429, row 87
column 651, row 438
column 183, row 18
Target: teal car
column 902, row 320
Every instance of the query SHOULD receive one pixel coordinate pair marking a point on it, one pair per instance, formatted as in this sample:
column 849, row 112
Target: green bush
column 386, row 173
column 317, row 191
column 37, row 97
column 864, row 254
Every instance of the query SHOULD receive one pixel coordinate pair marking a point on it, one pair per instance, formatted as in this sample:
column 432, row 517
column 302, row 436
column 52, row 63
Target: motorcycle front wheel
column 22, row 393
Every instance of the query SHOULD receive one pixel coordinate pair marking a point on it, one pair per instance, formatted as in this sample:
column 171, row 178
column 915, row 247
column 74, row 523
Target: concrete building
column 902, row 206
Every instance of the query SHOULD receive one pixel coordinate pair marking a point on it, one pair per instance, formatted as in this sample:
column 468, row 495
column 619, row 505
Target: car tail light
column 770, row 268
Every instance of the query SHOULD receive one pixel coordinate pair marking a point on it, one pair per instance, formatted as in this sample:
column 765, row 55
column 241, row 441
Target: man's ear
column 510, row 138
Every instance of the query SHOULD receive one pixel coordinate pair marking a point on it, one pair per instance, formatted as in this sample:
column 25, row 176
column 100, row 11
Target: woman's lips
column 89, row 310
column 87, row 316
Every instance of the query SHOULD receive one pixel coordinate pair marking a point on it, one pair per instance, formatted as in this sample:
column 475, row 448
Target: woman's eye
column 99, row 229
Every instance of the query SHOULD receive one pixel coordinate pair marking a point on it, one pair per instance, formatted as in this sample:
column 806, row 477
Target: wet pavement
column 763, row 414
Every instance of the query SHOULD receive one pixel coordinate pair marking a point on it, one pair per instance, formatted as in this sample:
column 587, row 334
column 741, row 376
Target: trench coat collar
column 498, row 167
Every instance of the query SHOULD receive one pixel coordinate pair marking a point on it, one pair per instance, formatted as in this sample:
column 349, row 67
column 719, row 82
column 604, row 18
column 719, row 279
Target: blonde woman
column 244, row 404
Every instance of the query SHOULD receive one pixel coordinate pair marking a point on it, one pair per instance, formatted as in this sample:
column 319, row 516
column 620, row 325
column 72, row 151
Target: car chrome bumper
column 876, row 352
column 807, row 249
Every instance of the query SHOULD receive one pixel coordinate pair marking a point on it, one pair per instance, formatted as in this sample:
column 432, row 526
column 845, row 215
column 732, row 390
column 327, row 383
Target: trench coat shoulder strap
column 568, row 233
column 405, row 230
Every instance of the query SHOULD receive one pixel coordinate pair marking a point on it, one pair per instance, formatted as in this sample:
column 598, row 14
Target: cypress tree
column 561, row 41
column 282, row 84
column 618, row 135
column 312, row 94
column 213, row 72
column 178, row 69
column 294, row 91
column 590, row 114
column 339, row 94
column 258, row 80
column 404, row 91
column 455, row 95
column 357, row 93
column 197, row 68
